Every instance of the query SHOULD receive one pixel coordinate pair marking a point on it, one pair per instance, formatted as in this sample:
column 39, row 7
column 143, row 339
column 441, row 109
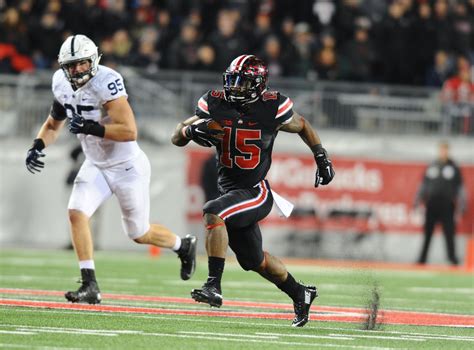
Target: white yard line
column 17, row 332
column 38, row 347
column 286, row 325
column 28, row 278
column 468, row 291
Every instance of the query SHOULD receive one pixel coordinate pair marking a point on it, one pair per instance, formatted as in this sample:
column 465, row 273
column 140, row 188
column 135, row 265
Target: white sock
column 177, row 244
column 87, row 264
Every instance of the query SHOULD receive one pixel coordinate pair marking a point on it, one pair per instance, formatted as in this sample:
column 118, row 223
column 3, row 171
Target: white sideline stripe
column 29, row 346
column 212, row 336
column 27, row 278
column 385, row 337
column 274, row 336
column 312, row 344
column 335, row 337
column 468, row 291
column 17, row 332
column 274, row 325
column 76, row 332
column 439, row 337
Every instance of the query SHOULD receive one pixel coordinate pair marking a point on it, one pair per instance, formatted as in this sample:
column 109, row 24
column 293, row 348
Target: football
column 212, row 125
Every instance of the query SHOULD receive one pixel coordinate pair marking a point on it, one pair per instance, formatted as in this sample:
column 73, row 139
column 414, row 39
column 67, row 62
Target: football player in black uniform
column 251, row 117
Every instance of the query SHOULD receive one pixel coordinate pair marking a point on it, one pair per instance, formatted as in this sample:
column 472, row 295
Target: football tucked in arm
column 212, row 125
column 205, row 132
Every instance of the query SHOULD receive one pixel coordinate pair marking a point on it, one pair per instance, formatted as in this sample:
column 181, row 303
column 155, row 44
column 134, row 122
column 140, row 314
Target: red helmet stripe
column 239, row 61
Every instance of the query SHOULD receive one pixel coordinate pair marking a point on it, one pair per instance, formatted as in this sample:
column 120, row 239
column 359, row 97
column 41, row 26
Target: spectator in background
column 46, row 37
column 394, row 41
column 442, row 193
column 439, row 72
column 463, row 28
column 14, row 43
column 227, row 42
column 271, row 55
column 183, row 51
column 305, row 45
column 122, row 46
column 261, row 30
column 206, row 58
column 325, row 64
column 443, row 25
column 166, row 33
column 405, row 33
column 424, row 41
column 146, row 56
column 357, row 57
column 345, row 19
column 457, row 96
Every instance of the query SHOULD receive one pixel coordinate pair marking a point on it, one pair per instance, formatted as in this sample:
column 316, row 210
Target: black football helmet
column 245, row 79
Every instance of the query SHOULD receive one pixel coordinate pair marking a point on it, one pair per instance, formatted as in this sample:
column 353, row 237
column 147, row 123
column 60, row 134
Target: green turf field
column 152, row 321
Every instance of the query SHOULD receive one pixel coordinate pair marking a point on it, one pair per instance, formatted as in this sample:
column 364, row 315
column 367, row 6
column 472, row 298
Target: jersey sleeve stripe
column 284, row 108
column 248, row 204
column 202, row 104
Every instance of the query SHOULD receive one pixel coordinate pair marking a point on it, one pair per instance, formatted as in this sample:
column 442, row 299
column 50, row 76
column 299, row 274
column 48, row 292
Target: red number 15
column 250, row 157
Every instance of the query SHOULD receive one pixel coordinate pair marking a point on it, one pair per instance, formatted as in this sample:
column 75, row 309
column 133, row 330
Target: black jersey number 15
column 239, row 152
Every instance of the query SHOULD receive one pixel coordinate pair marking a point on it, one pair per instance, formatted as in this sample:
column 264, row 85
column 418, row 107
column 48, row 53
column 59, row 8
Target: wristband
column 317, row 149
column 38, row 144
column 183, row 132
column 95, row 129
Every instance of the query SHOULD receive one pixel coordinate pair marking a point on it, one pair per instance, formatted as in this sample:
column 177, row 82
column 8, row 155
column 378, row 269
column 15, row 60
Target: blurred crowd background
column 407, row 42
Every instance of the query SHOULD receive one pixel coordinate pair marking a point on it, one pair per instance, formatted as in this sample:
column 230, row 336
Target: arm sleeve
column 58, row 112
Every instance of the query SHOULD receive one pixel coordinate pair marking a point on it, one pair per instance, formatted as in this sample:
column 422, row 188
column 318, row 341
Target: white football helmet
column 78, row 48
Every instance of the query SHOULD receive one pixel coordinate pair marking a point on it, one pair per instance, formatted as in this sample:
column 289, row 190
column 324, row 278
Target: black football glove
column 80, row 125
column 203, row 135
column 33, row 164
column 325, row 172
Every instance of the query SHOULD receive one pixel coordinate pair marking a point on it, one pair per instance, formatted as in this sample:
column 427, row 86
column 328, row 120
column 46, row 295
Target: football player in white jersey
column 94, row 99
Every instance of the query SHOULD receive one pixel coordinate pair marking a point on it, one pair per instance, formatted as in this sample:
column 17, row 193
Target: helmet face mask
column 74, row 50
column 245, row 80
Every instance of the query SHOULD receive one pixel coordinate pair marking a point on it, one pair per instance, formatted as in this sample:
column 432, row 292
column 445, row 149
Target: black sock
column 290, row 287
column 88, row 275
column 216, row 268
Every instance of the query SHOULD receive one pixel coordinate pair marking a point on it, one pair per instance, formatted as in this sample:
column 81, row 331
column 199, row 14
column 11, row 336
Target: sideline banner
column 386, row 188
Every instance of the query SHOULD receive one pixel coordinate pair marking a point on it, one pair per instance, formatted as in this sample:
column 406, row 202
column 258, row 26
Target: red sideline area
column 320, row 313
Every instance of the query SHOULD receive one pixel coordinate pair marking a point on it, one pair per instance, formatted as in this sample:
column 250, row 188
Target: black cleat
column 88, row 292
column 208, row 294
column 303, row 304
column 187, row 255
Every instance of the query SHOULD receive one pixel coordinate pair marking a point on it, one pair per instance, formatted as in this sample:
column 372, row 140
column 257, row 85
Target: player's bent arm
column 299, row 125
column 179, row 138
column 49, row 131
column 123, row 127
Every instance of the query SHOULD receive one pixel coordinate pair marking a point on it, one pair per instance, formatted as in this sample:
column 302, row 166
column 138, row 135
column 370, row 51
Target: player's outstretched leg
column 88, row 292
column 302, row 304
column 187, row 255
column 209, row 293
column 303, row 296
